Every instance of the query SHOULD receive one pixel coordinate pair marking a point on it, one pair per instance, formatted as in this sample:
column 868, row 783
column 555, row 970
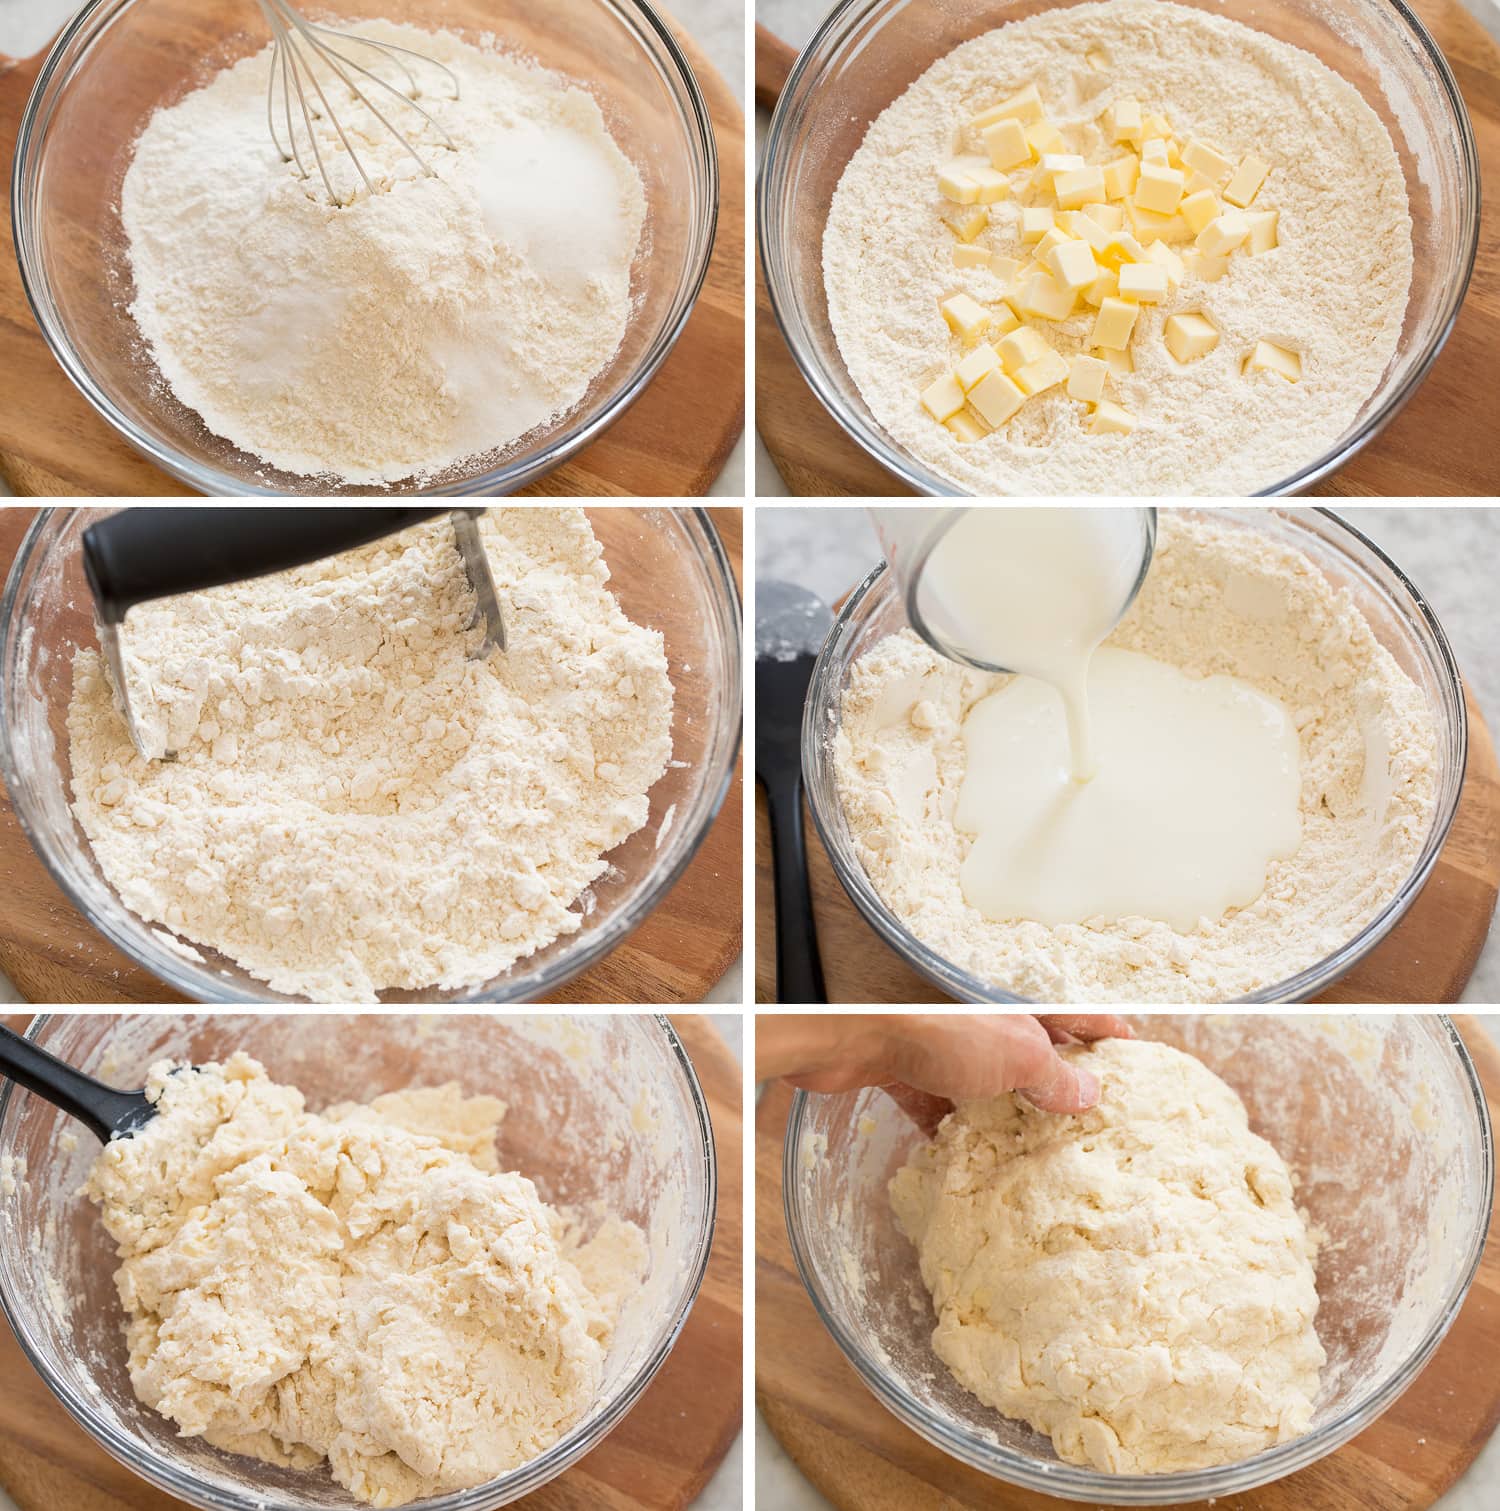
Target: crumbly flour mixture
column 1218, row 598
column 439, row 319
column 363, row 1287
column 356, row 804
column 1334, row 290
column 1136, row 1282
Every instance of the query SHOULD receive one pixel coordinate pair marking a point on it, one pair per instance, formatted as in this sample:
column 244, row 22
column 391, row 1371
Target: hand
column 929, row 1061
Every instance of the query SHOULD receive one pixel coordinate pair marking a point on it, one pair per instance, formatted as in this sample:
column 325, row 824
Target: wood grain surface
column 53, row 955
column 658, row 1459
column 864, row 1459
column 1440, row 444
column 672, row 442
column 1427, row 958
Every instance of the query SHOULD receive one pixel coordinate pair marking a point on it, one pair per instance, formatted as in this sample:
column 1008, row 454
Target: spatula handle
column 799, row 968
column 140, row 554
column 104, row 1110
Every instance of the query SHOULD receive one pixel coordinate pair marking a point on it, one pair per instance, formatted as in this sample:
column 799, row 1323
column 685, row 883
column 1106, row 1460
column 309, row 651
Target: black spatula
column 106, row 1112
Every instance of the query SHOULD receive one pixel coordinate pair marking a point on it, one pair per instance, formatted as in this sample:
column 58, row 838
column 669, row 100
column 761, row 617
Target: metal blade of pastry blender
column 137, row 555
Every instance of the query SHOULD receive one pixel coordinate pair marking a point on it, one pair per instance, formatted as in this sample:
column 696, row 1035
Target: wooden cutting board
column 658, row 1459
column 685, row 945
column 863, row 1459
column 1439, row 444
column 1427, row 958
column 672, row 442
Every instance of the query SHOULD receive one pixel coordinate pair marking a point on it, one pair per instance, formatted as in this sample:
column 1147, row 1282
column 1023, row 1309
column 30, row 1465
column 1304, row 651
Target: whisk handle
column 140, row 554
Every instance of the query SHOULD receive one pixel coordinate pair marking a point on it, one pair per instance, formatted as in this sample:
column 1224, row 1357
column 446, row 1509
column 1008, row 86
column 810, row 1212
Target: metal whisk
column 298, row 45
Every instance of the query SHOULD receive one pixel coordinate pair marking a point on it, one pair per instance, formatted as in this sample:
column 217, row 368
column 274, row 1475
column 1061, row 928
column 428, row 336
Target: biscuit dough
column 363, row 1286
column 1136, row 1282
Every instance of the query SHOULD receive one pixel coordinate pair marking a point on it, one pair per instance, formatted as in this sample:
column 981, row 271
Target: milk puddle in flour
column 1099, row 783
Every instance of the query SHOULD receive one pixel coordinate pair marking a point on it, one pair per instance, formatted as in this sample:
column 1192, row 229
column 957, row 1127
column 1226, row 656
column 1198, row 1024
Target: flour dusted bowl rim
column 811, row 1125
column 111, row 369
column 701, row 615
column 827, row 94
column 582, row 1438
column 1330, row 541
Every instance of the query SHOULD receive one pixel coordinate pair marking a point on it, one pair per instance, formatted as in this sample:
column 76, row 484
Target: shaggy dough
column 1136, row 1282
column 363, row 1287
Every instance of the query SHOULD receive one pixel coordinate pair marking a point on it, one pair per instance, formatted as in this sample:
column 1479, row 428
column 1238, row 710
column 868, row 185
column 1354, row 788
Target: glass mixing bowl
column 868, row 51
column 1396, row 611
column 1384, row 1120
column 579, row 1093
column 668, row 570
column 119, row 60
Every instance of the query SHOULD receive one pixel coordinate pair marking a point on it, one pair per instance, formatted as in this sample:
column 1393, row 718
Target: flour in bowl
column 1219, row 598
column 403, row 332
column 356, row 805
column 1328, row 286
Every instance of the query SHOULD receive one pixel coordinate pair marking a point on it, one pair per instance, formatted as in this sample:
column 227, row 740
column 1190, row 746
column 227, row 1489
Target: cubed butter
column 967, row 221
column 1006, row 144
column 1044, row 297
column 1020, row 347
column 1114, row 323
column 955, row 183
column 1036, row 221
column 1167, row 260
column 1159, row 188
column 1262, row 237
column 1198, row 209
column 966, row 317
column 1106, row 285
column 1109, row 419
column 943, row 398
column 995, row 398
column 1002, row 321
column 1086, row 377
column 1266, row 356
column 1050, row 369
column 1223, row 233
column 1202, row 158
column 1189, row 336
column 1248, row 178
column 1148, row 226
column 1056, row 237
column 1121, row 247
column 965, row 256
column 1201, row 265
column 1079, row 187
column 967, row 426
column 1072, row 265
column 1156, row 125
column 1006, row 269
column 1120, row 175
column 1143, row 282
column 1024, row 105
column 1120, row 363
column 992, row 185
column 1050, row 165
column 1107, row 217
column 1124, row 121
column 1155, row 151
column 1043, row 136
column 975, row 365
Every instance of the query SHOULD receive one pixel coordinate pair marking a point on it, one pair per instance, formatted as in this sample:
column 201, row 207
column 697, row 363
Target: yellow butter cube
column 1156, row 125
column 991, row 184
column 1079, row 187
column 995, row 398
column 1056, row 237
column 1043, row 136
column 1201, row 265
column 1050, row 166
column 967, row 426
column 1072, row 265
column 1120, row 248
column 1045, row 298
column 1223, row 233
column 1003, row 321
column 966, row 256
column 1114, row 323
column 1248, row 178
column 1159, row 188
column 943, row 398
column 1036, row 221
column 1155, row 151
column 1149, row 226
column 974, row 366
column 1050, row 369
column 1200, row 208
column 968, row 221
column 1123, row 121
column 1085, row 228
column 1024, row 105
column 1143, row 282
column 1120, row 363
column 1086, row 377
column 1105, row 286
column 1167, row 260
column 1263, row 224
column 1120, row 175
column 1020, row 347
column 1006, row 269
column 966, row 317
column 956, row 185
column 1174, row 156
column 1110, row 419
column 1266, row 356
column 1202, row 158
column 1196, row 183
column 1189, row 336
column 1106, row 217
column 1006, row 144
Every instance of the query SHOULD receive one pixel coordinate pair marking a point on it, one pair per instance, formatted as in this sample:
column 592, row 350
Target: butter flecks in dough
column 362, row 1287
column 1136, row 1282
